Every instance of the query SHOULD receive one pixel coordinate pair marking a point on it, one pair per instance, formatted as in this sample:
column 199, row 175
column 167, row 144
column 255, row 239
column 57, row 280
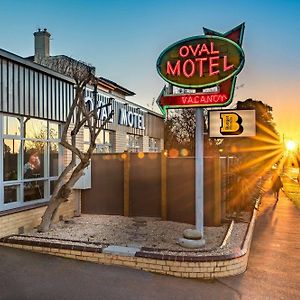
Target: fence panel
column 145, row 184
column 181, row 189
column 106, row 195
column 142, row 183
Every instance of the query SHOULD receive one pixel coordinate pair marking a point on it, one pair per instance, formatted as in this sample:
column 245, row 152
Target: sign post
column 206, row 66
column 199, row 188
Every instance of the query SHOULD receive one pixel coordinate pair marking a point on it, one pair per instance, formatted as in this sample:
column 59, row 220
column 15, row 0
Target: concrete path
column 274, row 263
column 273, row 271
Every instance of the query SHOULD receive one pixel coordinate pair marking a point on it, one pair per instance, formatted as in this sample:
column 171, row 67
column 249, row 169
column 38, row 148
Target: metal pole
column 199, row 170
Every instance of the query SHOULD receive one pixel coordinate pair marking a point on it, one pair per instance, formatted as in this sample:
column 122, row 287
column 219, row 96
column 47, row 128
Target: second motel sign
column 201, row 62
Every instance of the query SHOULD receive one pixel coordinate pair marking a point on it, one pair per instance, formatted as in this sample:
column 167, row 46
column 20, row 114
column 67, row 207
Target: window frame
column 100, row 146
column 137, row 145
column 152, row 147
column 21, row 181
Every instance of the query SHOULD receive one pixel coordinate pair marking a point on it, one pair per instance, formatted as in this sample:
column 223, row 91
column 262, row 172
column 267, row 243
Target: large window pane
column 35, row 128
column 134, row 142
column 107, row 137
column 52, row 186
column 33, row 190
column 11, row 193
column 53, row 159
column 11, row 125
column 53, row 131
column 11, row 158
column 33, row 159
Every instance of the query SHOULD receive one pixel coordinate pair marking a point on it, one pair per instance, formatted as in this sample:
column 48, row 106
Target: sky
column 123, row 40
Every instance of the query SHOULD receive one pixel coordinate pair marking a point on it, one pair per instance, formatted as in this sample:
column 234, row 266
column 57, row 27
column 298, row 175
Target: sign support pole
column 199, row 178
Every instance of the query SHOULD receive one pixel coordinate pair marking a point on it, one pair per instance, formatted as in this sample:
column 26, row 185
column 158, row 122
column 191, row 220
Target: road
column 273, row 270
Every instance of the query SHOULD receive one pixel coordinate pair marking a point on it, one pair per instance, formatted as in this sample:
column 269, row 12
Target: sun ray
column 259, row 148
column 260, row 159
column 265, row 139
column 267, row 130
column 251, row 183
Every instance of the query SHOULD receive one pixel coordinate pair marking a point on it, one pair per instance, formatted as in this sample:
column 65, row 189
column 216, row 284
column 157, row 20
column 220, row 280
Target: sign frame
column 236, row 111
column 226, row 86
column 214, row 83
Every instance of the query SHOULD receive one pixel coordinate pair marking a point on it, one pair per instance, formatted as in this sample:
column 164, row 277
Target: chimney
column 41, row 44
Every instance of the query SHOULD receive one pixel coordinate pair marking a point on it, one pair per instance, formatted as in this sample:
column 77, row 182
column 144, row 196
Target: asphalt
column 273, row 270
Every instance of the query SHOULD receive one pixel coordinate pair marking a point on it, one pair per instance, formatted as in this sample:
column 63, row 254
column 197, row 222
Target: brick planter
column 146, row 259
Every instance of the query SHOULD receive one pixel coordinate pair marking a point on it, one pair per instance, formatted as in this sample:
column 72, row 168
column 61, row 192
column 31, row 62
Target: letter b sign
column 231, row 124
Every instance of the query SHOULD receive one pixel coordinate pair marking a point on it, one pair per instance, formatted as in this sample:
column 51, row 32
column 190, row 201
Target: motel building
column 34, row 103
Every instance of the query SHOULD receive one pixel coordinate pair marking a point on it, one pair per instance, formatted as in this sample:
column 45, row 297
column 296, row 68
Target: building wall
column 162, row 144
column 29, row 89
column 145, row 143
column 120, row 141
column 26, row 220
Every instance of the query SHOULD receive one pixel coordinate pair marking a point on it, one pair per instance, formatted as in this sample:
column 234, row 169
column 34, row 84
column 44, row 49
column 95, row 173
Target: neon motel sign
column 202, row 62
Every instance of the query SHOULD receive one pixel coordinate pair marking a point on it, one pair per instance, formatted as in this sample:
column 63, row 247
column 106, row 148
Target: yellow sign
column 232, row 123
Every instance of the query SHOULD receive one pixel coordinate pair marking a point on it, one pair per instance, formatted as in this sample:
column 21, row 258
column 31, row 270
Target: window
column 29, row 160
column 134, row 143
column 11, row 126
column 104, row 141
column 34, row 156
column 154, row 145
column 11, row 159
column 53, row 159
column 11, row 193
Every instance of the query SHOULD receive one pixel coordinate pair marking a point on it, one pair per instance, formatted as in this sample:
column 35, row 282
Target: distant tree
column 255, row 155
column 78, row 116
column 180, row 129
column 260, row 152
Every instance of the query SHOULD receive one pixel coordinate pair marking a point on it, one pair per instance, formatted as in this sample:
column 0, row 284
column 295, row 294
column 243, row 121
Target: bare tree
column 180, row 128
column 79, row 115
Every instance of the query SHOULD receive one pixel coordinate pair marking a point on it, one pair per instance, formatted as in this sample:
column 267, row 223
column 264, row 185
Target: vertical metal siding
column 16, row 88
column 21, row 89
column 31, row 92
column 4, row 85
column 10, row 87
column 45, row 95
column 26, row 94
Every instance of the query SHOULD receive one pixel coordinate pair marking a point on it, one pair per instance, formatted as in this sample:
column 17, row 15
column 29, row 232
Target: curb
column 188, row 266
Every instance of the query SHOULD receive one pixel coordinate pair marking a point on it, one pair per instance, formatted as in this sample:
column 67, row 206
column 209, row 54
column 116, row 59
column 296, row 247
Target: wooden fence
column 151, row 184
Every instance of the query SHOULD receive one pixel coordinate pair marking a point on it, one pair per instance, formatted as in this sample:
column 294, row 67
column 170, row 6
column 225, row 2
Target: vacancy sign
column 231, row 123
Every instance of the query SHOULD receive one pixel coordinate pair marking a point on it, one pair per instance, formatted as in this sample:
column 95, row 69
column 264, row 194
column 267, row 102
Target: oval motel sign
column 200, row 61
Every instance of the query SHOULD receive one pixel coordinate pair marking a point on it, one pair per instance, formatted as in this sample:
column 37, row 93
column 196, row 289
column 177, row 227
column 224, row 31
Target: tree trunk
column 49, row 214
column 61, row 196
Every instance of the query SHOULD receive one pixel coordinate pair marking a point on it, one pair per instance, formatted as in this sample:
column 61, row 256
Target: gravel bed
column 138, row 232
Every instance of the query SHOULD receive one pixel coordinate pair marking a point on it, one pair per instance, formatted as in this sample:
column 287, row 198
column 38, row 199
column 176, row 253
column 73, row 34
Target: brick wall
column 208, row 267
column 120, row 141
column 162, row 145
column 202, row 269
column 145, row 144
column 11, row 223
